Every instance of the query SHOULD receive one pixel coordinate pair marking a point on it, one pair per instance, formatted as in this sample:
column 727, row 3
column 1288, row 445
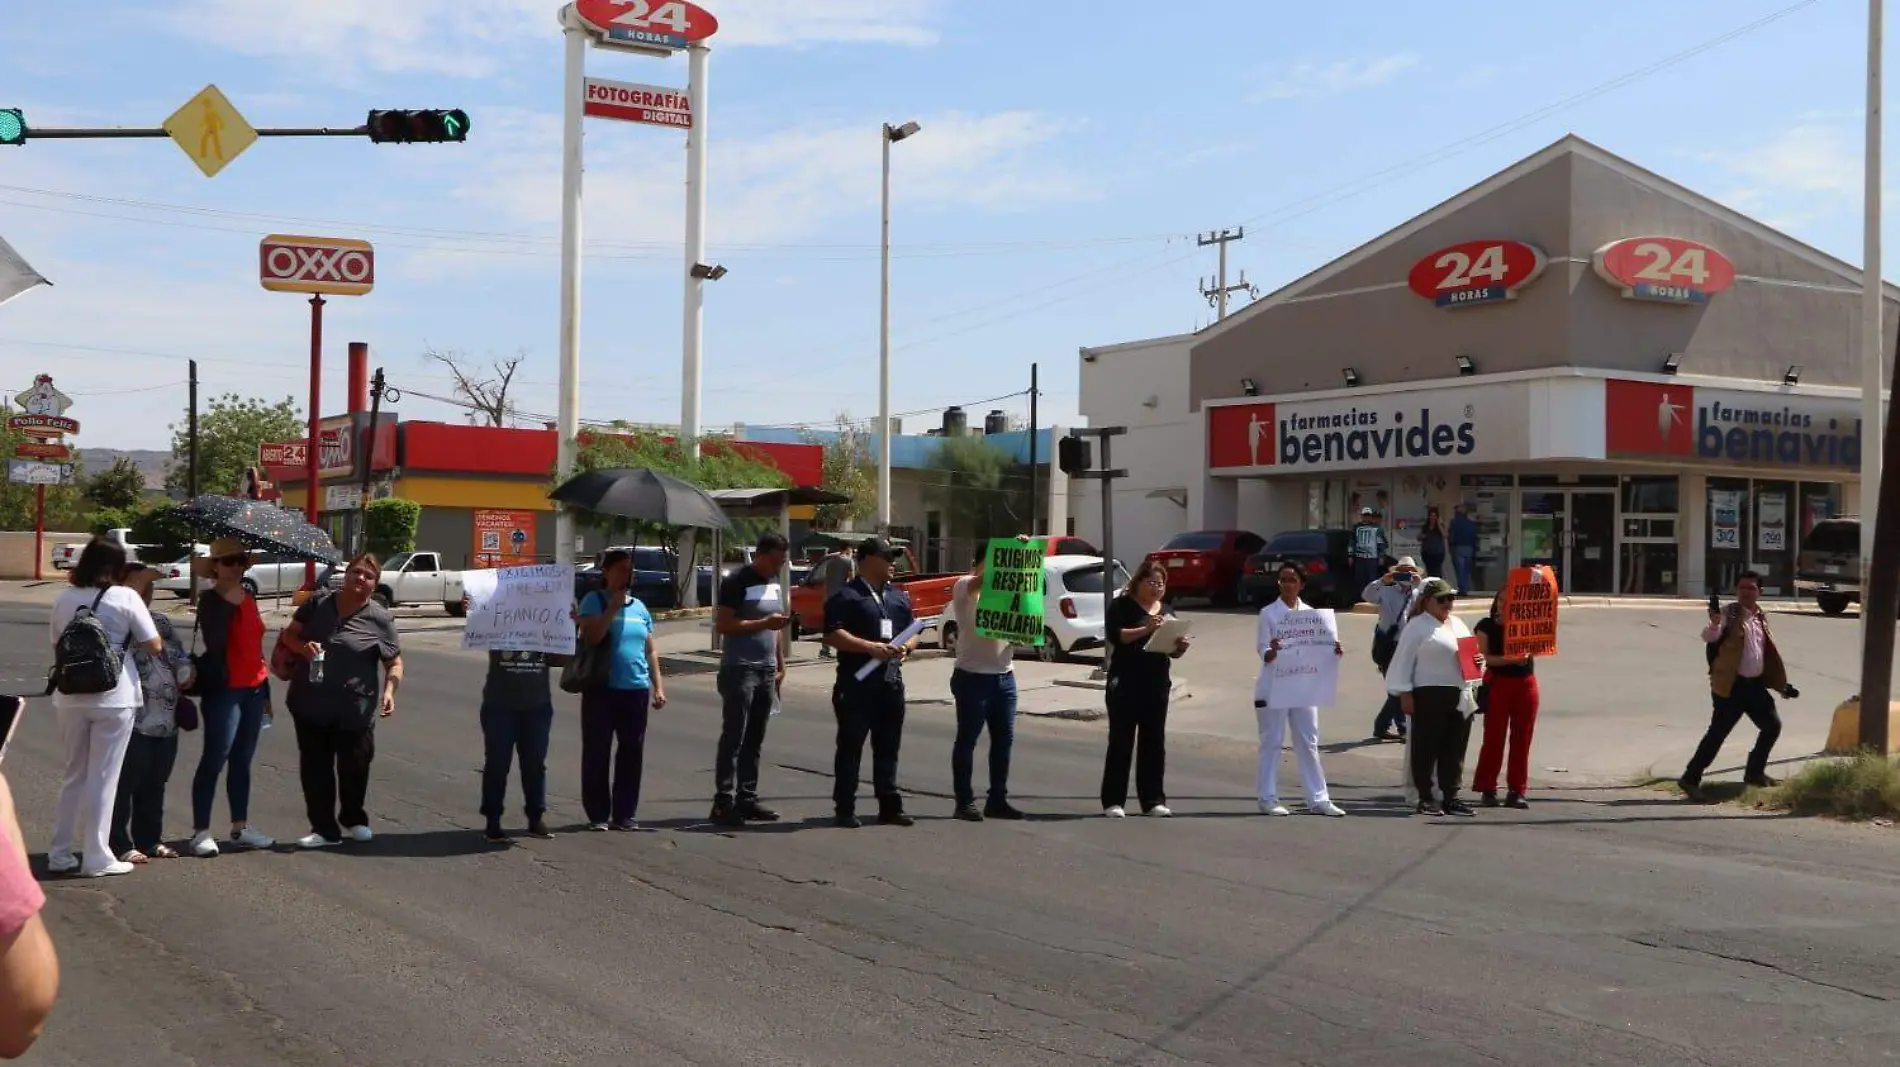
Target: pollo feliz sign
column 332, row 266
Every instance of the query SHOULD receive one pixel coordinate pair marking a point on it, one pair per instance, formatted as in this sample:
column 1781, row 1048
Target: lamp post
column 891, row 135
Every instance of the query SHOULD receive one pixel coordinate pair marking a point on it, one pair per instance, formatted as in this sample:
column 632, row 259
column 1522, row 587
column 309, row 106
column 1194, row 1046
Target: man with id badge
column 869, row 624
column 750, row 614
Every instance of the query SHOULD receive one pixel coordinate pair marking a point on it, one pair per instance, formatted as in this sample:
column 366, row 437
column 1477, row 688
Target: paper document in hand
column 1166, row 639
column 1468, row 658
column 916, row 627
column 1305, row 672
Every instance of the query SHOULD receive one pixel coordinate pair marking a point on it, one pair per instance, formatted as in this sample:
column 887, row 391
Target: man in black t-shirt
column 517, row 717
column 752, row 611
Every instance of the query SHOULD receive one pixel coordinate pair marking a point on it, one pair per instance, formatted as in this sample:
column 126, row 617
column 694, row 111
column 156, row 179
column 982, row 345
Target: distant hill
column 154, row 464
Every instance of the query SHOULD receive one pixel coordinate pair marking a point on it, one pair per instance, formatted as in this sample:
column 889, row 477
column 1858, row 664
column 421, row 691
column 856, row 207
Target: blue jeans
column 982, row 700
column 1461, row 558
column 232, row 721
column 504, row 733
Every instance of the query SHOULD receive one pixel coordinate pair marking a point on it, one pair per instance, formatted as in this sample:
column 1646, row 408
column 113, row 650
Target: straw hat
column 203, row 567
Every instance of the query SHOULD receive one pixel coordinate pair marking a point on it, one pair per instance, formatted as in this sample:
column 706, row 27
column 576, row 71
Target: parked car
column 1068, row 545
column 1326, row 555
column 175, row 577
column 1207, row 564
column 1829, row 564
column 67, row 553
column 653, row 580
column 412, row 578
column 929, row 594
column 1074, row 605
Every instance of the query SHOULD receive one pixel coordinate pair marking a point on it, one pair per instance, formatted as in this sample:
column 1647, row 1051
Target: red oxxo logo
column 336, row 266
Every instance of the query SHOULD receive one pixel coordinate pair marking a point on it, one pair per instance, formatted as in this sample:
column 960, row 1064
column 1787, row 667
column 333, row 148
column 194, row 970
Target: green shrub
column 164, row 535
column 392, row 526
column 1860, row 787
column 104, row 520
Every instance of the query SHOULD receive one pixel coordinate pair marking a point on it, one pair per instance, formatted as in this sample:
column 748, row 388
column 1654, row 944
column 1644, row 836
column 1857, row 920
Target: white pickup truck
column 415, row 578
column 67, row 554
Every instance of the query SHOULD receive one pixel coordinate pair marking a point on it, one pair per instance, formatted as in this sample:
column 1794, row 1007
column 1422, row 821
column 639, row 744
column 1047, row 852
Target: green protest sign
column 1009, row 608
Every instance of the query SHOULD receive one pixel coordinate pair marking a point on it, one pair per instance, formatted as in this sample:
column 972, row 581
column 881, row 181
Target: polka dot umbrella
column 260, row 525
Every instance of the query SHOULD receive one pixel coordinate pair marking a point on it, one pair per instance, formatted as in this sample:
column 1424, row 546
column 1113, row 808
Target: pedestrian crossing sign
column 210, row 130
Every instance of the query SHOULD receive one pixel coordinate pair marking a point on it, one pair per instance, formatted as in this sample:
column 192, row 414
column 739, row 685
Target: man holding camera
column 1745, row 671
column 1392, row 592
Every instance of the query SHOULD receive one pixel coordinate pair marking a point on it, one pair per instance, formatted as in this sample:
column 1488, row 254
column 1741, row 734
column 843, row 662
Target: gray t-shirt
column 751, row 596
column 517, row 681
column 837, row 574
column 354, row 651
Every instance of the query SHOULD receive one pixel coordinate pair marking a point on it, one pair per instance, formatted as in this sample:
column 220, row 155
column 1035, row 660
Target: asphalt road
column 1600, row 928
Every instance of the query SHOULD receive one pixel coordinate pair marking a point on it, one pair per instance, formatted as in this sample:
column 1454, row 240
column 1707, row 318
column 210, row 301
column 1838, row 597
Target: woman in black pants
column 1138, row 686
column 1429, row 680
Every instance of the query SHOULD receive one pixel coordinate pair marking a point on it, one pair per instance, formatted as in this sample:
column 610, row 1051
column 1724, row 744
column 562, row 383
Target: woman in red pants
column 1511, row 708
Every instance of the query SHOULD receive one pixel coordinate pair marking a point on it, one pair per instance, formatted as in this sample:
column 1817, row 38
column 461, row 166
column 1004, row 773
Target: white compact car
column 270, row 575
column 1074, row 601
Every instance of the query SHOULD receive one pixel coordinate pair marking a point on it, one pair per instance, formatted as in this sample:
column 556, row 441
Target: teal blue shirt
column 627, row 640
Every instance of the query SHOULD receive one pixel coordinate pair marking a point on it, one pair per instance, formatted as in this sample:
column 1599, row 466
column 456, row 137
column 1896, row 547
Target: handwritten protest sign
column 1009, row 607
column 1529, row 609
column 520, row 609
column 1306, row 672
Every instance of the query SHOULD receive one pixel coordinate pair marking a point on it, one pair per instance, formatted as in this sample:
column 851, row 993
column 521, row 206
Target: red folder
column 1468, row 658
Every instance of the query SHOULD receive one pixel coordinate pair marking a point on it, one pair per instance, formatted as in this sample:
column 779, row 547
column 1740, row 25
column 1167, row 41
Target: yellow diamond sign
column 210, row 130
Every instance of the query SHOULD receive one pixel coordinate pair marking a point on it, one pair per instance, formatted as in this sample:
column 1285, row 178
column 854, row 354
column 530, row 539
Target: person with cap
column 233, row 687
column 1369, row 547
column 1392, row 592
column 1428, row 677
column 138, row 813
column 867, row 623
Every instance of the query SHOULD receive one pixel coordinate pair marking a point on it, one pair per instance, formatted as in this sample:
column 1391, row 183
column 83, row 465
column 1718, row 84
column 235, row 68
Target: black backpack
column 84, row 659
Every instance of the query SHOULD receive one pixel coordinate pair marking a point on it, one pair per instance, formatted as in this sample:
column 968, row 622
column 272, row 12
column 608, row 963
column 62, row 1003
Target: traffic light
column 417, row 127
column 12, row 126
column 1074, row 455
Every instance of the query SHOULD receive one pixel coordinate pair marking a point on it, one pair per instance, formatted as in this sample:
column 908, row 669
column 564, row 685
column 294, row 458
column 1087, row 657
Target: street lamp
column 891, row 135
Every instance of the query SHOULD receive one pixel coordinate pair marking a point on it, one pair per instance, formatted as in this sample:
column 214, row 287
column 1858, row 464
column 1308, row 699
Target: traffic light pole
column 81, row 133
column 1106, row 476
column 312, row 455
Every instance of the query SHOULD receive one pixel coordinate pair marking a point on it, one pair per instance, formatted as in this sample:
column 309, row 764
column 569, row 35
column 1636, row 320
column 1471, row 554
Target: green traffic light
column 455, row 125
column 12, row 126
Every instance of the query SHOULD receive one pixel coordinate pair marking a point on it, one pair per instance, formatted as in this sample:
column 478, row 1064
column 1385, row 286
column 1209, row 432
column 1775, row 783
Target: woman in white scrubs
column 1275, row 718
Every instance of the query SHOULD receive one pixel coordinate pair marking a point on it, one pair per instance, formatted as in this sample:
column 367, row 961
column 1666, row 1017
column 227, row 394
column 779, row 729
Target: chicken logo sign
column 1668, row 270
column 1476, row 272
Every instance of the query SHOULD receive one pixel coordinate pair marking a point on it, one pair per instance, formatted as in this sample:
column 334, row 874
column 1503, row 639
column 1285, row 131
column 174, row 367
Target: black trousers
column 334, row 766
column 138, row 816
column 1440, row 733
column 747, row 696
column 1750, row 697
column 1138, row 727
column 870, row 709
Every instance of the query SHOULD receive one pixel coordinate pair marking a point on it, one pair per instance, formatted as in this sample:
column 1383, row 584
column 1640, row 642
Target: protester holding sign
column 1527, row 612
column 984, row 682
column 1428, row 677
column 1511, row 698
column 1295, row 644
column 517, row 720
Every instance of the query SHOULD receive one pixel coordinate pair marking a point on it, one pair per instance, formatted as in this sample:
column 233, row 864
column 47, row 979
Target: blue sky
column 1070, row 152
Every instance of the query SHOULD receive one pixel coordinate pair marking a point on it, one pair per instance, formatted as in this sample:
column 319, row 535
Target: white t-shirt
column 1427, row 655
column 977, row 655
column 127, row 622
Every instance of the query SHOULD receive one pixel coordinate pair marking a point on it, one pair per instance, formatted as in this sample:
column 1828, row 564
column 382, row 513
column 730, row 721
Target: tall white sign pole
column 569, row 430
column 1873, row 376
column 695, row 326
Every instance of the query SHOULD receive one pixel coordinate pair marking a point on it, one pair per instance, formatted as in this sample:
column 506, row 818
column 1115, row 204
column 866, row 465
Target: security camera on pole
column 655, row 28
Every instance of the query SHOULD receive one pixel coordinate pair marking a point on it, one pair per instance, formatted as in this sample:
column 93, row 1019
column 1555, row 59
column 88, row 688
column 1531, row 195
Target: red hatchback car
column 1207, row 563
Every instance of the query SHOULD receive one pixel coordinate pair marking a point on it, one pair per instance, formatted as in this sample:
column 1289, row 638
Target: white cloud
column 1332, row 79
column 474, row 40
column 1813, row 157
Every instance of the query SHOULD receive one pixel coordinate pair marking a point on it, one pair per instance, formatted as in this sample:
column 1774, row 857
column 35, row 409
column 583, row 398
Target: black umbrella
column 259, row 525
column 642, row 495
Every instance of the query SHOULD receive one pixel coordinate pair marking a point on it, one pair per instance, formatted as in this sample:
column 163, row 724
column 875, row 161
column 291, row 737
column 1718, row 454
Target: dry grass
column 1863, row 786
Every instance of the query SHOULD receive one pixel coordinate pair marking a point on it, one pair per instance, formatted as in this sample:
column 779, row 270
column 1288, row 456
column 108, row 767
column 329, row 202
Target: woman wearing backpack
column 96, row 692
column 233, row 687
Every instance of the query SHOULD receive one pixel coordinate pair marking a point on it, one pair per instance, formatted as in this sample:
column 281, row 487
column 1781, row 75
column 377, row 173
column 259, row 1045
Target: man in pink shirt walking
column 1745, row 671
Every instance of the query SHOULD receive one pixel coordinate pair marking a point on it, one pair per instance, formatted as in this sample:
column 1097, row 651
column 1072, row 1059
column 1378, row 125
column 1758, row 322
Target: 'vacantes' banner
column 1529, row 608
column 1010, row 606
column 521, row 609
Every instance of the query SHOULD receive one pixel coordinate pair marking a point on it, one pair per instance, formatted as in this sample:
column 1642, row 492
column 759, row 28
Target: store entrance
column 1574, row 533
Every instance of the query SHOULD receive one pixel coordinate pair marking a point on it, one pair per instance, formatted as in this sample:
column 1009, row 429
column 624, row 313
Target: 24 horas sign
column 1669, row 270
column 1476, row 272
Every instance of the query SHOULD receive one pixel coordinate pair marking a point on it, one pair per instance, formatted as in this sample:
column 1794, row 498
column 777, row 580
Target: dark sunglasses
column 232, row 561
column 1446, row 599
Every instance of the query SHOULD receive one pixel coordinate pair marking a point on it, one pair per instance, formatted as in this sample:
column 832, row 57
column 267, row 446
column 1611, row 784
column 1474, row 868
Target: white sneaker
column 361, row 834
column 316, row 841
column 252, row 838
column 1273, row 807
column 1327, row 808
column 1160, row 811
column 1115, row 811
column 203, row 845
column 61, row 862
column 110, row 869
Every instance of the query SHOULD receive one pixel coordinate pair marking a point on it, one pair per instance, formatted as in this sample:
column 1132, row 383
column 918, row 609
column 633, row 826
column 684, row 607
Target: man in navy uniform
column 866, row 624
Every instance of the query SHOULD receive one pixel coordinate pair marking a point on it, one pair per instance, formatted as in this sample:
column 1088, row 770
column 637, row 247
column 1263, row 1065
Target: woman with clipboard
column 1138, row 686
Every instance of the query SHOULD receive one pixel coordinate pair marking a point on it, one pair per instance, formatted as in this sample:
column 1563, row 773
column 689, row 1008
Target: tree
column 978, row 487
column 392, row 526
column 228, row 436
column 120, row 486
column 164, row 535
column 850, row 470
column 488, row 396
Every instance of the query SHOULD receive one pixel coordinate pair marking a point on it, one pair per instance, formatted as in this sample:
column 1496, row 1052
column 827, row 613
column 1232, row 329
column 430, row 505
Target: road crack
column 1753, row 962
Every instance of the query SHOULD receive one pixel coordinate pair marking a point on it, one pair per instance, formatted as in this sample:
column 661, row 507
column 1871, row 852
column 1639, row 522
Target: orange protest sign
column 1529, row 611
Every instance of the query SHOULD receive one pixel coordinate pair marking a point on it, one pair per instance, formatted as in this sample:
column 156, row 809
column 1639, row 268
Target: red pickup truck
column 929, row 594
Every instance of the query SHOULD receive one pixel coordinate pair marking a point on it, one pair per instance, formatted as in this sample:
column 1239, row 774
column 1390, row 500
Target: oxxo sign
column 1669, row 270
column 332, row 266
column 1476, row 272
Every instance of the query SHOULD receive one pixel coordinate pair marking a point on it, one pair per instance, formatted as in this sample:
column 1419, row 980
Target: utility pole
column 378, row 389
column 1107, row 476
column 191, row 483
column 1035, row 476
column 1216, row 291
